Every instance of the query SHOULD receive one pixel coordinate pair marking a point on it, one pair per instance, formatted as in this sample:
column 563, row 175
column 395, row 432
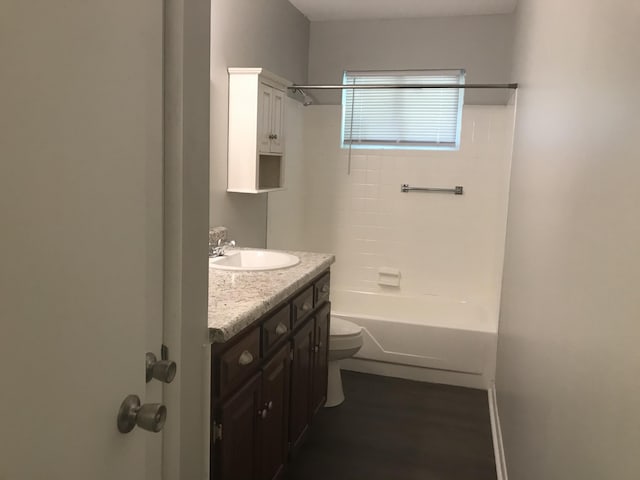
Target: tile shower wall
column 444, row 245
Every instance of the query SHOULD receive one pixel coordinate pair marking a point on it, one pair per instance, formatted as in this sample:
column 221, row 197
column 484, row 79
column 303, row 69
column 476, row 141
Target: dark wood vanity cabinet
column 267, row 384
column 237, row 455
column 301, row 381
column 309, row 373
column 320, row 358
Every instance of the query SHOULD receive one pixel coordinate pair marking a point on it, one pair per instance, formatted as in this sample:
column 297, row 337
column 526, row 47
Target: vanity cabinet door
column 301, row 373
column 275, row 400
column 239, row 449
column 320, row 358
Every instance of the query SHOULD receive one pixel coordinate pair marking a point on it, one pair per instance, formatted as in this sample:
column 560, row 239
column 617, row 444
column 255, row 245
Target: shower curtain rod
column 408, row 85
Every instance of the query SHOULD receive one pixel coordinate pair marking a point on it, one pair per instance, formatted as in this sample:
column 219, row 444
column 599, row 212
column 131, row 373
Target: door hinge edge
column 217, row 432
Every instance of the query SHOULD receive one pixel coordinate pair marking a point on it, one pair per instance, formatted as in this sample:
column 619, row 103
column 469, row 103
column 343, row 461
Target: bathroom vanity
column 270, row 334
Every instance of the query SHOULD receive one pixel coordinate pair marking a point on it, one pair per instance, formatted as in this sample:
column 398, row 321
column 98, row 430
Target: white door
column 81, row 235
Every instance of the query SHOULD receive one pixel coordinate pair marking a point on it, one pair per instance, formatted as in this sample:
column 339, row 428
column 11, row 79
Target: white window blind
column 402, row 117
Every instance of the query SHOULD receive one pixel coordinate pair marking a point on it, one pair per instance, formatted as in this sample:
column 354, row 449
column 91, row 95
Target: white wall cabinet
column 255, row 161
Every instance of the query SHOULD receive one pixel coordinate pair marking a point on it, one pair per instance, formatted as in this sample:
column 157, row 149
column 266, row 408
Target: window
column 405, row 118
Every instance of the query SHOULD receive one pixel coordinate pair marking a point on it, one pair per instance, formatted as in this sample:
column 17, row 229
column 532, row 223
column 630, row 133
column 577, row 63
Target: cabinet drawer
column 275, row 329
column 322, row 290
column 239, row 361
column 302, row 306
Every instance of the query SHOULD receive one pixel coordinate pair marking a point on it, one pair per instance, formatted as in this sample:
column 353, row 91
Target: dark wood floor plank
column 390, row 428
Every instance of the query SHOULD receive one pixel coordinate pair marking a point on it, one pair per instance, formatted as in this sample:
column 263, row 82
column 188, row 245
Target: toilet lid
column 340, row 327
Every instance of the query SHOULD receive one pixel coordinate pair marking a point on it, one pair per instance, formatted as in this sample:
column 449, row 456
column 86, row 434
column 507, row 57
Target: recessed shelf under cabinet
column 256, row 131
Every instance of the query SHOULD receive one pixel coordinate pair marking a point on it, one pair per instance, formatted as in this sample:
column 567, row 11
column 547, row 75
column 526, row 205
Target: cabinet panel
column 264, row 118
column 277, row 121
column 239, row 361
column 275, row 399
column 320, row 358
column 322, row 289
column 302, row 306
column 301, row 370
column 238, row 455
column 276, row 329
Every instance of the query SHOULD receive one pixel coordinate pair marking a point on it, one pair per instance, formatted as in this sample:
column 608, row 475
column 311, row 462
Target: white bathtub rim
column 354, row 317
column 483, row 324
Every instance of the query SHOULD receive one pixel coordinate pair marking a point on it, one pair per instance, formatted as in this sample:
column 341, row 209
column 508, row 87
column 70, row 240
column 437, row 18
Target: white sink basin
column 242, row 260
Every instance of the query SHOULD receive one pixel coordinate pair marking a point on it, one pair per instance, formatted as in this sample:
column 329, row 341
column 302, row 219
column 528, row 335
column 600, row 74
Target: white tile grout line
column 496, row 434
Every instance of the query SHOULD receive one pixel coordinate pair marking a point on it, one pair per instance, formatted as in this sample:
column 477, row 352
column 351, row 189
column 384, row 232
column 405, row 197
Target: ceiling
column 321, row 10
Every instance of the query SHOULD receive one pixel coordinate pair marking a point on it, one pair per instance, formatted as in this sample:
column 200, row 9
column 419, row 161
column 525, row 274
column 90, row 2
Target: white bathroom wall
column 446, row 245
column 481, row 44
column 271, row 34
column 568, row 376
column 286, row 208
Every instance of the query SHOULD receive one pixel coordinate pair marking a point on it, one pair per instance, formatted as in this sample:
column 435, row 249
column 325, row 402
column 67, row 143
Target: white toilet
column 345, row 339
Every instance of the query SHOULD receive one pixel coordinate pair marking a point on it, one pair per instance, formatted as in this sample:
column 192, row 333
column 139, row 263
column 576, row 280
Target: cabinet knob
column 269, row 405
column 262, row 413
column 281, row 329
column 324, row 289
column 306, row 306
column 316, row 348
column 275, row 137
column 245, row 358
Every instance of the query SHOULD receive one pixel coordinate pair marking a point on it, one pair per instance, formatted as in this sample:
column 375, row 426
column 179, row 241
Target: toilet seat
column 340, row 327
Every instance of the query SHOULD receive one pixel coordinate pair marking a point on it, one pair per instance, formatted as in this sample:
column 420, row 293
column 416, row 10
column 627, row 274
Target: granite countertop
column 237, row 299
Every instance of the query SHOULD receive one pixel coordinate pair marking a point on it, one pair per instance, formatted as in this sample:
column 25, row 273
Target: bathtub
column 421, row 338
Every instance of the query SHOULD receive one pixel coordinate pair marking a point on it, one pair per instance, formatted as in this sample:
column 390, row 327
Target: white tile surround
column 445, row 245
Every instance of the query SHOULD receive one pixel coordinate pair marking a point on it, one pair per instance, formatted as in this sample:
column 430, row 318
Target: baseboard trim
column 410, row 372
column 496, row 433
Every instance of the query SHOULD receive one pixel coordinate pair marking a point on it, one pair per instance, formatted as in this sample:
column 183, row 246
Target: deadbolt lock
column 163, row 370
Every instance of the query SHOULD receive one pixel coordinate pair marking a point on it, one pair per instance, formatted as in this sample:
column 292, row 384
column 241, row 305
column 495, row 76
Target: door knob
column 163, row 370
column 150, row 416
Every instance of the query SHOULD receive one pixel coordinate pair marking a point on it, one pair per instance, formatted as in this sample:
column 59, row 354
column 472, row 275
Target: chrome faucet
column 219, row 249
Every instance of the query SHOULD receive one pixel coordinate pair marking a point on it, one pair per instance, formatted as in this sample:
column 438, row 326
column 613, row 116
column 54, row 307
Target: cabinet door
column 277, row 121
column 275, row 398
column 301, row 371
column 320, row 358
column 265, row 104
column 238, row 457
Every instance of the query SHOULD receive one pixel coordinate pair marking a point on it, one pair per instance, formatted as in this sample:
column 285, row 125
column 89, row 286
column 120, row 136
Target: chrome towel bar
column 457, row 190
